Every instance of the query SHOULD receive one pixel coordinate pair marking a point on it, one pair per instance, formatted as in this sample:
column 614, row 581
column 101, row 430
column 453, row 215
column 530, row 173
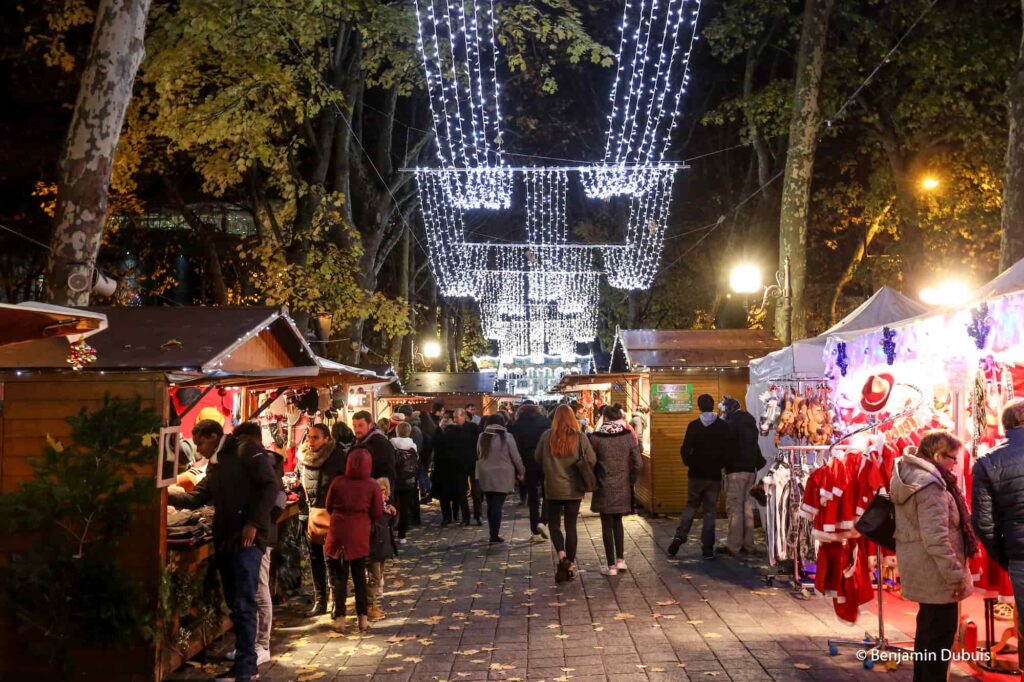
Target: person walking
column 407, row 465
column 354, row 502
column 527, row 429
column 740, row 475
column 708, row 445
column 449, row 483
column 618, row 467
column 321, row 460
column 382, row 550
column 498, row 467
column 469, row 435
column 934, row 539
column 558, row 451
column 243, row 487
column 377, row 442
column 997, row 502
column 429, row 429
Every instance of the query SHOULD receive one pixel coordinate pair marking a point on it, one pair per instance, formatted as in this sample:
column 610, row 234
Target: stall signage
column 672, row 397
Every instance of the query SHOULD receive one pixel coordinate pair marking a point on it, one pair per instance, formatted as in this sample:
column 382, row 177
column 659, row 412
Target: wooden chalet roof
column 450, row 383
column 661, row 348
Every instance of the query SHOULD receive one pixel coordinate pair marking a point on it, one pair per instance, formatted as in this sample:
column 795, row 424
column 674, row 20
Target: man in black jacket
column 740, row 474
column 527, row 428
column 379, row 445
column 997, row 501
column 469, row 434
column 243, row 487
column 708, row 445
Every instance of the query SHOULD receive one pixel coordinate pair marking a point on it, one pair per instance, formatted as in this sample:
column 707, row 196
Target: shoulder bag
column 319, row 518
column 588, row 479
column 878, row 522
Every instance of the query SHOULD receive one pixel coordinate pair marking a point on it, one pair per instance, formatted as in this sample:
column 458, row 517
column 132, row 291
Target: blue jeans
column 240, row 575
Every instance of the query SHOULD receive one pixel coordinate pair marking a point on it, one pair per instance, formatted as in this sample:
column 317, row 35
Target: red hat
column 876, row 392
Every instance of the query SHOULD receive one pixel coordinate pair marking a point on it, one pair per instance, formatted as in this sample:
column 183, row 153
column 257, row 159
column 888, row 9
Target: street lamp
column 930, row 183
column 746, row 279
column 431, row 349
column 951, row 293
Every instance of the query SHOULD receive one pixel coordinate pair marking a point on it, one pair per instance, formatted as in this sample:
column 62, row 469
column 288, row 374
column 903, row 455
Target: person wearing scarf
column 321, row 460
column 934, row 539
column 618, row 467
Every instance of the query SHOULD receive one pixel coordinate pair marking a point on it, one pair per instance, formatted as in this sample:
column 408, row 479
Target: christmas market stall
column 146, row 378
column 455, row 389
column 594, row 391
column 948, row 369
column 676, row 366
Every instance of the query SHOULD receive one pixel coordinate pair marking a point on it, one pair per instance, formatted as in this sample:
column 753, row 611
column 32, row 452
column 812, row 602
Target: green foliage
column 190, row 605
column 68, row 587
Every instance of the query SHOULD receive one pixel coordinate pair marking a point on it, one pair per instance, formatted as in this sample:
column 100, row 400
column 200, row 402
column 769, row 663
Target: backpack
column 407, row 467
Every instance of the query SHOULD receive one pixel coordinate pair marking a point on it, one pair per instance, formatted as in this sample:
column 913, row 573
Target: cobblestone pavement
column 459, row 609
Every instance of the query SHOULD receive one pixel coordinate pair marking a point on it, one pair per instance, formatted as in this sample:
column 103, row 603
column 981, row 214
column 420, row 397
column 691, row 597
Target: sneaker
column 537, row 538
column 478, row 522
column 543, row 530
column 708, row 556
column 609, row 570
column 497, row 540
column 621, row 565
column 402, row 541
column 262, row 655
column 673, row 548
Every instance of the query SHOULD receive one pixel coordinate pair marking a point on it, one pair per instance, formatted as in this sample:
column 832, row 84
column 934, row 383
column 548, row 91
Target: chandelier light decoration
column 540, row 294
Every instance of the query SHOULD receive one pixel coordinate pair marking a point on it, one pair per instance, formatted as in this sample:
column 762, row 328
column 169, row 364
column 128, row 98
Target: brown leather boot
column 364, row 624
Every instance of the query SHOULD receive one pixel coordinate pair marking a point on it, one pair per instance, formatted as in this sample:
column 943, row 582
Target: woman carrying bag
column 618, row 465
column 934, row 538
column 354, row 503
column 321, row 460
column 498, row 467
column 567, row 459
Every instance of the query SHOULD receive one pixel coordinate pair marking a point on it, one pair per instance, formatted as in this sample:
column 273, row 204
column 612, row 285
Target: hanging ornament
column 889, row 345
column 980, row 326
column 81, row 355
column 842, row 361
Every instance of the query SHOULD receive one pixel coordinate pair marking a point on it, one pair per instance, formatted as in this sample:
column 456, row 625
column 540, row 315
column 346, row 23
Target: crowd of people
column 361, row 490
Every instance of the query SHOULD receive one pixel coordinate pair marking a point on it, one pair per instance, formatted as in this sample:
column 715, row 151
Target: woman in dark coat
column 618, row 466
column 449, row 484
column 321, row 460
column 355, row 503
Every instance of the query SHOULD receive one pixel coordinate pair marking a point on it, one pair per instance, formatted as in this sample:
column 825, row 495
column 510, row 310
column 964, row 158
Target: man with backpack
column 407, row 467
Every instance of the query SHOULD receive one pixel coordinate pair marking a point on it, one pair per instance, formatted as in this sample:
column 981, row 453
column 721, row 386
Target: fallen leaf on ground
column 667, row 602
column 502, row 666
column 657, row 670
column 801, row 666
column 712, row 635
column 562, row 636
column 624, row 616
column 694, row 622
column 309, row 677
column 396, row 669
column 412, row 659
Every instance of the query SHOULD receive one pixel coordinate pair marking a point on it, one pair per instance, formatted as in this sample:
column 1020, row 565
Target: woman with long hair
column 618, row 466
column 934, row 539
column 355, row 503
column 321, row 460
column 558, row 451
column 498, row 467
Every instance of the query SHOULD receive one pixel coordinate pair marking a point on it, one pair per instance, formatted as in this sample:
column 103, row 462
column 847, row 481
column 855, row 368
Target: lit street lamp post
column 746, row 279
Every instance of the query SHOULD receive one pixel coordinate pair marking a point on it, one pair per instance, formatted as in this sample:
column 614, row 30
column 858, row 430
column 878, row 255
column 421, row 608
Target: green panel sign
column 672, row 397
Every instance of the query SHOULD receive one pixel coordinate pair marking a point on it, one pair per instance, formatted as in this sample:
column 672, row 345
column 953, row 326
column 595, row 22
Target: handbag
column 588, row 479
column 319, row 519
column 878, row 522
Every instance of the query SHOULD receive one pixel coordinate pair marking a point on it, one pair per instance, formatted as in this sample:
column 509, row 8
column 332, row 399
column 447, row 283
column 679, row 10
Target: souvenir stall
column 946, row 370
column 674, row 367
column 594, row 391
column 184, row 364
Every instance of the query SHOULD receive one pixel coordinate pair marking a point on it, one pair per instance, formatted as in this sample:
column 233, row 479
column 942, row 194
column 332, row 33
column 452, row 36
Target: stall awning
column 327, row 373
column 32, row 321
column 674, row 348
column 593, row 382
column 450, row 383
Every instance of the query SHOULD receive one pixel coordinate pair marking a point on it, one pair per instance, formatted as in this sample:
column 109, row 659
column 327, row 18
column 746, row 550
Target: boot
column 338, row 625
column 338, row 607
column 319, row 607
column 375, row 613
column 364, row 625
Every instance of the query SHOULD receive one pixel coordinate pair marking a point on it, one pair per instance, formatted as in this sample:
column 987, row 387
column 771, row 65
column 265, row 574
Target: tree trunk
column 117, row 49
column 874, row 227
column 803, row 141
column 1011, row 241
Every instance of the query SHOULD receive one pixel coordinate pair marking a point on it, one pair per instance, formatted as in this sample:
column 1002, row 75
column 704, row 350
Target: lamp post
column 429, row 350
column 746, row 279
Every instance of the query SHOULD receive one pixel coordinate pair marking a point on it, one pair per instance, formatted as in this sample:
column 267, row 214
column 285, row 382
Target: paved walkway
column 462, row 610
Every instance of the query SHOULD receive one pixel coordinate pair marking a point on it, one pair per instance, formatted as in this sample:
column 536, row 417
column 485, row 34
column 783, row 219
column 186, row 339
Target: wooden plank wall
column 35, row 405
column 263, row 351
column 663, row 488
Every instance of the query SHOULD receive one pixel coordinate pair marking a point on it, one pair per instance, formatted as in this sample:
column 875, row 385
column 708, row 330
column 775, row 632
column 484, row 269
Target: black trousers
column 317, row 565
column 936, row 630
column 534, row 484
column 495, row 501
column 613, row 536
column 408, row 510
column 340, row 571
column 570, row 509
column 477, row 496
column 451, row 505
